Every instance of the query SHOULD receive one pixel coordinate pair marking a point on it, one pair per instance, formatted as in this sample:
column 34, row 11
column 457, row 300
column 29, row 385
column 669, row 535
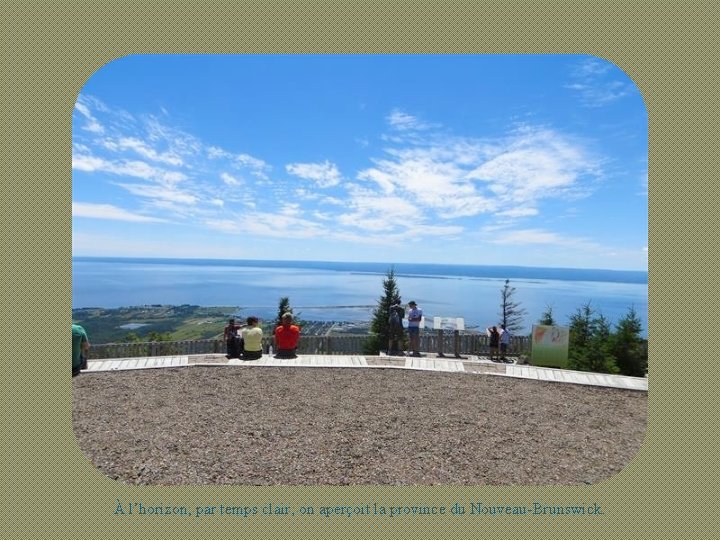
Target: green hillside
column 180, row 322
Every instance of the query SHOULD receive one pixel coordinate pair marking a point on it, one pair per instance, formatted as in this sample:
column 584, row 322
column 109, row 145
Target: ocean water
column 340, row 291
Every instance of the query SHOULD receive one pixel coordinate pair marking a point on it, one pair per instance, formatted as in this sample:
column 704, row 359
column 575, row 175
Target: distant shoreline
column 435, row 270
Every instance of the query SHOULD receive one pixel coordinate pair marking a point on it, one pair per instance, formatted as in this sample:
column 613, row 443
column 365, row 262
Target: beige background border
column 50, row 490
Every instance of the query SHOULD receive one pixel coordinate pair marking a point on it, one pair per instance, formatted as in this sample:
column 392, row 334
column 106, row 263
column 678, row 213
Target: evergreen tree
column 511, row 313
column 600, row 358
column 284, row 307
column 379, row 326
column 590, row 347
column 580, row 332
column 628, row 346
column 547, row 318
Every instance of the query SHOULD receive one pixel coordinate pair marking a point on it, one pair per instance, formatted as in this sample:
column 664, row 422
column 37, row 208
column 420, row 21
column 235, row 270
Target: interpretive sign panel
column 550, row 345
column 448, row 323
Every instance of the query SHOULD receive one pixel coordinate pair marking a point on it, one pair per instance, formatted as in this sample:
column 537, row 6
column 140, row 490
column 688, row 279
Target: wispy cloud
column 404, row 121
column 267, row 224
column 528, row 236
column 242, row 162
column 644, row 184
column 324, row 174
column 161, row 195
column 541, row 237
column 230, row 180
column 144, row 150
column 91, row 124
column 122, row 167
column 518, row 212
column 534, row 164
column 597, row 83
column 108, row 211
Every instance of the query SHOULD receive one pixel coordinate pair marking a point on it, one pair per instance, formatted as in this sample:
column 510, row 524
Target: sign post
column 441, row 324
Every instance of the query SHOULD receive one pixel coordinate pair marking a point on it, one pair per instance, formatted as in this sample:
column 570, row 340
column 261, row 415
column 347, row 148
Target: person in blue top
column 415, row 315
column 504, row 344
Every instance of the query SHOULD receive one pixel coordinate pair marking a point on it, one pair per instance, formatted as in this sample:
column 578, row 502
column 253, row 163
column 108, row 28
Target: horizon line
column 391, row 264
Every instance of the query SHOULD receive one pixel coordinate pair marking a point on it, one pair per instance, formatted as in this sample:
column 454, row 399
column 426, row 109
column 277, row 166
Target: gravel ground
column 325, row 426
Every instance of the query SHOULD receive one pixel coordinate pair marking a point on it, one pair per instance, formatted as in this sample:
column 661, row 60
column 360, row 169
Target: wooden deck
column 469, row 365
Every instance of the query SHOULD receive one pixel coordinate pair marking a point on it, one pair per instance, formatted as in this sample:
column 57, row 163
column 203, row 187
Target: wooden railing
column 447, row 343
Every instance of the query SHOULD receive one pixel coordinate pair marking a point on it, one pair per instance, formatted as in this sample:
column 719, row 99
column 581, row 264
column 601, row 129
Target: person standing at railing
column 80, row 348
column 415, row 315
column 232, row 340
column 494, row 343
column 395, row 329
column 286, row 338
column 504, row 344
column 252, row 336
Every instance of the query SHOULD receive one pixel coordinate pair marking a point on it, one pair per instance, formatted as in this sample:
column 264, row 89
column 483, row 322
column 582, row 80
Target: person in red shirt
column 286, row 338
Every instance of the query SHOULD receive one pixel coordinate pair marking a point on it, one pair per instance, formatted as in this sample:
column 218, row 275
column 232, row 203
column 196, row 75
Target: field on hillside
column 184, row 322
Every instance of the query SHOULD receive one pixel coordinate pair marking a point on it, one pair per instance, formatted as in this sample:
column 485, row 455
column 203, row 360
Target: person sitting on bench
column 286, row 338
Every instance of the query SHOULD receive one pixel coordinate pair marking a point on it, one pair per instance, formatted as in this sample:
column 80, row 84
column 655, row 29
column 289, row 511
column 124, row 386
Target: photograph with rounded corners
column 360, row 270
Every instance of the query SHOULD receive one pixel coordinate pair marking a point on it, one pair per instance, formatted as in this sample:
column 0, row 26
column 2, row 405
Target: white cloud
column 323, row 174
column 134, row 168
column 256, row 167
column 286, row 226
column 246, row 160
column 370, row 212
column 595, row 85
column 334, row 201
column 290, row 209
column 146, row 151
column 179, row 142
column 107, row 211
column 161, row 194
column 381, row 175
column 644, row 183
column 533, row 165
column 403, row 121
column 591, row 67
column 214, row 152
column 518, row 212
column 92, row 124
column 230, row 180
column 88, row 163
column 528, row 236
column 440, row 185
column 224, row 225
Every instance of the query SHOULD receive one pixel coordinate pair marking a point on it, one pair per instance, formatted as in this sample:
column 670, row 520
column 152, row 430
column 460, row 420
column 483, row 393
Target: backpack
column 396, row 317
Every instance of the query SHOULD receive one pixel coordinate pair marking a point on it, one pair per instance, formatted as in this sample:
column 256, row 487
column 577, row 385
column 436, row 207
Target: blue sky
column 528, row 160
